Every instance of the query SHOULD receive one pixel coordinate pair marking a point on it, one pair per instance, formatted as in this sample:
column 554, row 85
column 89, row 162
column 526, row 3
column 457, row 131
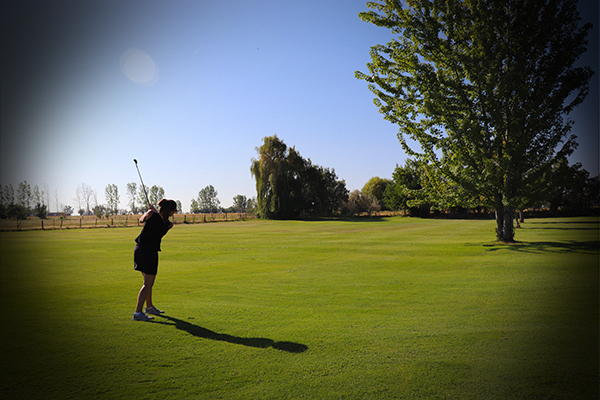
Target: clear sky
column 190, row 88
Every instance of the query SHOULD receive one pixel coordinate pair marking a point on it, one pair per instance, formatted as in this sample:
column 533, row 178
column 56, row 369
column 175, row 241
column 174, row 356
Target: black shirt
column 152, row 232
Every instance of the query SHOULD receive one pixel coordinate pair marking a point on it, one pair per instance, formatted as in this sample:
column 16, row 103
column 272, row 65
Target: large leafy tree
column 269, row 171
column 280, row 176
column 289, row 186
column 483, row 87
column 334, row 193
column 568, row 187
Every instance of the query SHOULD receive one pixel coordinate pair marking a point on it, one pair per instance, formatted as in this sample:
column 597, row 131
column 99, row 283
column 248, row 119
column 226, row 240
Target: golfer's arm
column 146, row 216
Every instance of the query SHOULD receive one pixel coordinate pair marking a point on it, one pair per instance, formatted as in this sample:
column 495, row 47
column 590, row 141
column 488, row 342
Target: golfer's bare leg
column 149, row 296
column 145, row 291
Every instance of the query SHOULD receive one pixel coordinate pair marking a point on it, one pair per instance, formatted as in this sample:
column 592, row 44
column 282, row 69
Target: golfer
column 145, row 254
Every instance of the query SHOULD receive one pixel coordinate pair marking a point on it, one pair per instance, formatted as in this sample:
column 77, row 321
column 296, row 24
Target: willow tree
column 289, row 186
column 484, row 87
column 276, row 172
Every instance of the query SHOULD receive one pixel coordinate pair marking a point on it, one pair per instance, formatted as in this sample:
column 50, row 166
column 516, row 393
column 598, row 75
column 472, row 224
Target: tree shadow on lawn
column 204, row 333
column 567, row 246
column 553, row 225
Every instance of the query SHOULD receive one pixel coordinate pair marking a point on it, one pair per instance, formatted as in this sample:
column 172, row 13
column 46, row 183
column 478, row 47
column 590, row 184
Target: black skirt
column 145, row 261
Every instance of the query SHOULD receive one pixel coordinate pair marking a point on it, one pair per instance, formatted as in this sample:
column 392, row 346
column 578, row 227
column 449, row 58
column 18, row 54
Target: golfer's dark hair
column 167, row 205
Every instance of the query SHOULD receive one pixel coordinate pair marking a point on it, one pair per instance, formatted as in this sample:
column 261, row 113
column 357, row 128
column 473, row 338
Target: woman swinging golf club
column 145, row 255
column 147, row 246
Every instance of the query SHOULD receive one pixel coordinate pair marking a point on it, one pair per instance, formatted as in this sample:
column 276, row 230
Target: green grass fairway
column 390, row 308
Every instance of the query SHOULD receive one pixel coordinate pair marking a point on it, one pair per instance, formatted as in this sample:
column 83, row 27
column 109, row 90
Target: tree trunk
column 499, row 216
column 509, row 234
column 504, row 223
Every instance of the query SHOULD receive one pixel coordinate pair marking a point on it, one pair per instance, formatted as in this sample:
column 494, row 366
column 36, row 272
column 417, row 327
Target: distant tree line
column 24, row 201
column 136, row 203
column 242, row 204
column 208, row 202
column 289, row 186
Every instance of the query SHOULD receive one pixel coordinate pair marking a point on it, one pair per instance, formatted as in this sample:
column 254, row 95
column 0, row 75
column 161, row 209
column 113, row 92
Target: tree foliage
column 17, row 211
column 570, row 188
column 68, row 210
column 194, row 207
column 7, row 195
column 38, row 197
column 24, row 194
column 483, row 87
column 288, row 186
column 20, row 208
column 40, row 210
column 375, row 187
column 111, row 193
column 99, row 210
column 403, row 192
column 131, row 189
column 359, row 203
column 419, row 188
column 208, row 201
column 155, row 194
column 240, row 203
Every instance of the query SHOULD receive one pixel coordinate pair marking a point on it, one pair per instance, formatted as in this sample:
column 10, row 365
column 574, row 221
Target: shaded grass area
column 378, row 308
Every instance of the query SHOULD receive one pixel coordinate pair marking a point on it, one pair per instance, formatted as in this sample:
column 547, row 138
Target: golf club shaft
column 141, row 180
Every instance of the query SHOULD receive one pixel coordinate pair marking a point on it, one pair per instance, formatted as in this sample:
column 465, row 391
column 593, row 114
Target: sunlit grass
column 372, row 308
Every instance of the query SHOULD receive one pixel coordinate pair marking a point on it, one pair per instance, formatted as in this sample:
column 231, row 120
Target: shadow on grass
column 555, row 225
column 204, row 333
column 568, row 246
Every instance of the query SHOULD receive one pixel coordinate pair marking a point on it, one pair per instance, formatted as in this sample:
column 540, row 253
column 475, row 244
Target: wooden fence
column 116, row 221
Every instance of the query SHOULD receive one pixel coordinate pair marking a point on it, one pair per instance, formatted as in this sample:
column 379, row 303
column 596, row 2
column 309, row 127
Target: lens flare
column 139, row 67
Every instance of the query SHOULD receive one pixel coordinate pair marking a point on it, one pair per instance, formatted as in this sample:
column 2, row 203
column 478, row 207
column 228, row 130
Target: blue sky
column 190, row 88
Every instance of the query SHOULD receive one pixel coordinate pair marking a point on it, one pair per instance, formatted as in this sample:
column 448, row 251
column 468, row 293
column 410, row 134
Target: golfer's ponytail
column 165, row 208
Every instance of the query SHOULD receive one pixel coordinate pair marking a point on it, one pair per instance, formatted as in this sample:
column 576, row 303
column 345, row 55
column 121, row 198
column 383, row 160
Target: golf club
column 144, row 187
